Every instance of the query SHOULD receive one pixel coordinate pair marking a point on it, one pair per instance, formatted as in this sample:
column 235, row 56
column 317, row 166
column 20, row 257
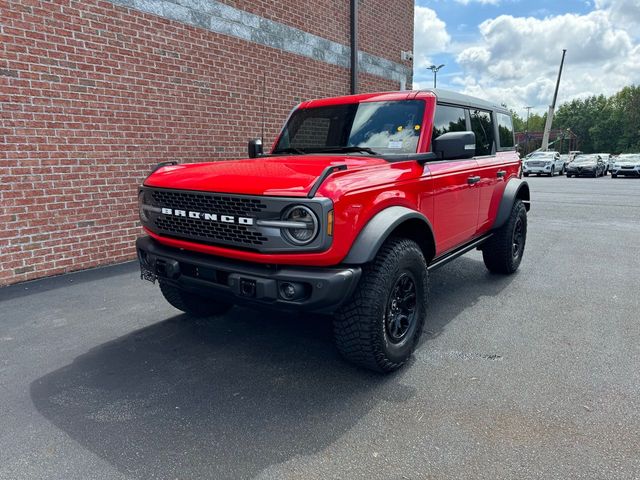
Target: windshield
column 589, row 159
column 542, row 155
column 372, row 127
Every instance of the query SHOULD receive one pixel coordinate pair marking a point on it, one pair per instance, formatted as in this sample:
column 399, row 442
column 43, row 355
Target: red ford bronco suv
column 359, row 199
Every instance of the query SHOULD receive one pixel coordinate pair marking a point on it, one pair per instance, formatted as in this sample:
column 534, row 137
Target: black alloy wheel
column 400, row 315
column 518, row 238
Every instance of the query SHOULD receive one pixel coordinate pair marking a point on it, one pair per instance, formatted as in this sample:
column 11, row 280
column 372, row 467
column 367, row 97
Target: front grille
column 228, row 220
column 205, row 202
column 213, row 232
column 536, row 164
column 627, row 167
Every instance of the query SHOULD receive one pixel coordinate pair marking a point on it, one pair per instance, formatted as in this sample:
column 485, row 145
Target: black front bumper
column 323, row 289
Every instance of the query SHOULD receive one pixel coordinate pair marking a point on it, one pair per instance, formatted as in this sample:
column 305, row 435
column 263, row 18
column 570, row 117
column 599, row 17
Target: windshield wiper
column 348, row 150
column 298, row 151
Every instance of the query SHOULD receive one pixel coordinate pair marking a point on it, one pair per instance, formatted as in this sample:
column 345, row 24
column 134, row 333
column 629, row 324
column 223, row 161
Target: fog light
column 291, row 291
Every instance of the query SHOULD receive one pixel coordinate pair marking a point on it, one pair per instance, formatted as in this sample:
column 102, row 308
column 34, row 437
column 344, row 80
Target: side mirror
column 455, row 145
column 255, row 148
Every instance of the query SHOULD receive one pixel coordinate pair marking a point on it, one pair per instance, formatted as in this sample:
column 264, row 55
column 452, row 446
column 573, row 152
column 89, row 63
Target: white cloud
column 516, row 61
column 622, row 12
column 430, row 36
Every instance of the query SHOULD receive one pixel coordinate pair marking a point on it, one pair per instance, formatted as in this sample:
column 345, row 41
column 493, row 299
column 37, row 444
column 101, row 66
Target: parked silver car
column 543, row 163
column 626, row 164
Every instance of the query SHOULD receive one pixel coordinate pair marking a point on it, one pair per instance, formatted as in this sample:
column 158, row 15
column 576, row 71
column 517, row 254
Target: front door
column 455, row 202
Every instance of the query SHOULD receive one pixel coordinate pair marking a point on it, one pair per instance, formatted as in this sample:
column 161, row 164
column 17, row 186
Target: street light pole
column 435, row 71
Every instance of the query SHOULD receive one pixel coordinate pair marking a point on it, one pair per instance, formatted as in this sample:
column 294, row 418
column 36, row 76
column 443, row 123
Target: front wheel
column 380, row 326
column 613, row 175
column 502, row 253
column 568, row 175
column 552, row 172
column 192, row 304
column 526, row 174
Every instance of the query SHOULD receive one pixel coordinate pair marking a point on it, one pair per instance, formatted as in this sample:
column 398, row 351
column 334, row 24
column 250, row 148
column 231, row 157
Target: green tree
column 604, row 124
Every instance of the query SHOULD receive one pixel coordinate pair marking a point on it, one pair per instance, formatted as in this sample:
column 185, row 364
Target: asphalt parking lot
column 531, row 376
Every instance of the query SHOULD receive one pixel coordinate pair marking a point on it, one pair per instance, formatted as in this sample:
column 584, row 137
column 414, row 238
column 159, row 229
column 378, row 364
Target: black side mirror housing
column 255, row 148
column 455, row 145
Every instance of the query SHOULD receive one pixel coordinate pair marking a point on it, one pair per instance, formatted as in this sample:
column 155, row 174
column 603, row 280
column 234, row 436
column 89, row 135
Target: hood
column 627, row 163
column 584, row 164
column 276, row 176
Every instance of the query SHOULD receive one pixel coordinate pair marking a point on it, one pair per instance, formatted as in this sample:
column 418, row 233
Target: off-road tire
column 361, row 328
column 192, row 304
column 498, row 252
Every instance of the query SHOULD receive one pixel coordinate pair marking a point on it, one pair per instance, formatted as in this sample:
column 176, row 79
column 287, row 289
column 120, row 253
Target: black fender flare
column 382, row 225
column 516, row 189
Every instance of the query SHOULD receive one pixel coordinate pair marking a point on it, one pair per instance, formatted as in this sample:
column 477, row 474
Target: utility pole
column 526, row 129
column 435, row 71
column 552, row 107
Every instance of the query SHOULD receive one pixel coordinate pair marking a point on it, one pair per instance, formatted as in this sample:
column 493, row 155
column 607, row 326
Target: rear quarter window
column 505, row 131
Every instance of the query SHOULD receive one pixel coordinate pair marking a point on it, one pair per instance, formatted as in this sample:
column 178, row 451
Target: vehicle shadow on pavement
column 220, row 398
column 231, row 396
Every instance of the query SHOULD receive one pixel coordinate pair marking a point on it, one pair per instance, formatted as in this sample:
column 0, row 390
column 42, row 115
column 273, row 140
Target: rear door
column 482, row 124
column 455, row 190
column 497, row 163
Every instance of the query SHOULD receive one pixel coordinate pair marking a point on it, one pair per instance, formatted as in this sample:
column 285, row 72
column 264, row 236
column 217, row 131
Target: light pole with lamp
column 435, row 71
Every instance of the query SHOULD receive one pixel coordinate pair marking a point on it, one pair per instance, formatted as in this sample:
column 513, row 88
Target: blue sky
column 509, row 50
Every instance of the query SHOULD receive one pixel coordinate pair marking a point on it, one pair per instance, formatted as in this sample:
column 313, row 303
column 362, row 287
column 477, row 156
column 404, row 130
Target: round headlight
column 308, row 229
column 143, row 213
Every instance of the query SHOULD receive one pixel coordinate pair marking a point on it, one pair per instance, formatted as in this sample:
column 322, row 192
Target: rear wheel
column 502, row 253
column 380, row 326
column 191, row 303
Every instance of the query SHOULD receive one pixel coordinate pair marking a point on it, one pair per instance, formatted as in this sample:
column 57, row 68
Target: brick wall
column 92, row 95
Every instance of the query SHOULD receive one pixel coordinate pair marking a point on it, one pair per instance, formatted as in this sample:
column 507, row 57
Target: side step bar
column 447, row 257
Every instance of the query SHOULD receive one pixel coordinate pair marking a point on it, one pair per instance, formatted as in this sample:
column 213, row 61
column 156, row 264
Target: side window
column 482, row 126
column 448, row 119
column 505, row 130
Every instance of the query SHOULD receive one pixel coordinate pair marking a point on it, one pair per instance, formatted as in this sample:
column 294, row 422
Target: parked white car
column 626, row 164
column 543, row 163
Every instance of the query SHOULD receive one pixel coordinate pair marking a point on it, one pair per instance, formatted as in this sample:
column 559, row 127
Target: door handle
column 472, row 180
column 501, row 173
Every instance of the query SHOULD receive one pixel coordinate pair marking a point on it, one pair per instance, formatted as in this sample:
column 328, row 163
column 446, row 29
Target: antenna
column 264, row 88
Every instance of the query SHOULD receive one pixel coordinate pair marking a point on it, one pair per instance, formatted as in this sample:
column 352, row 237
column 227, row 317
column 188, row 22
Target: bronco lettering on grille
column 213, row 217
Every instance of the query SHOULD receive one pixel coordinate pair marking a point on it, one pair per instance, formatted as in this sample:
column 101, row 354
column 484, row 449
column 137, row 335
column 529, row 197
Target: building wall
column 94, row 93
